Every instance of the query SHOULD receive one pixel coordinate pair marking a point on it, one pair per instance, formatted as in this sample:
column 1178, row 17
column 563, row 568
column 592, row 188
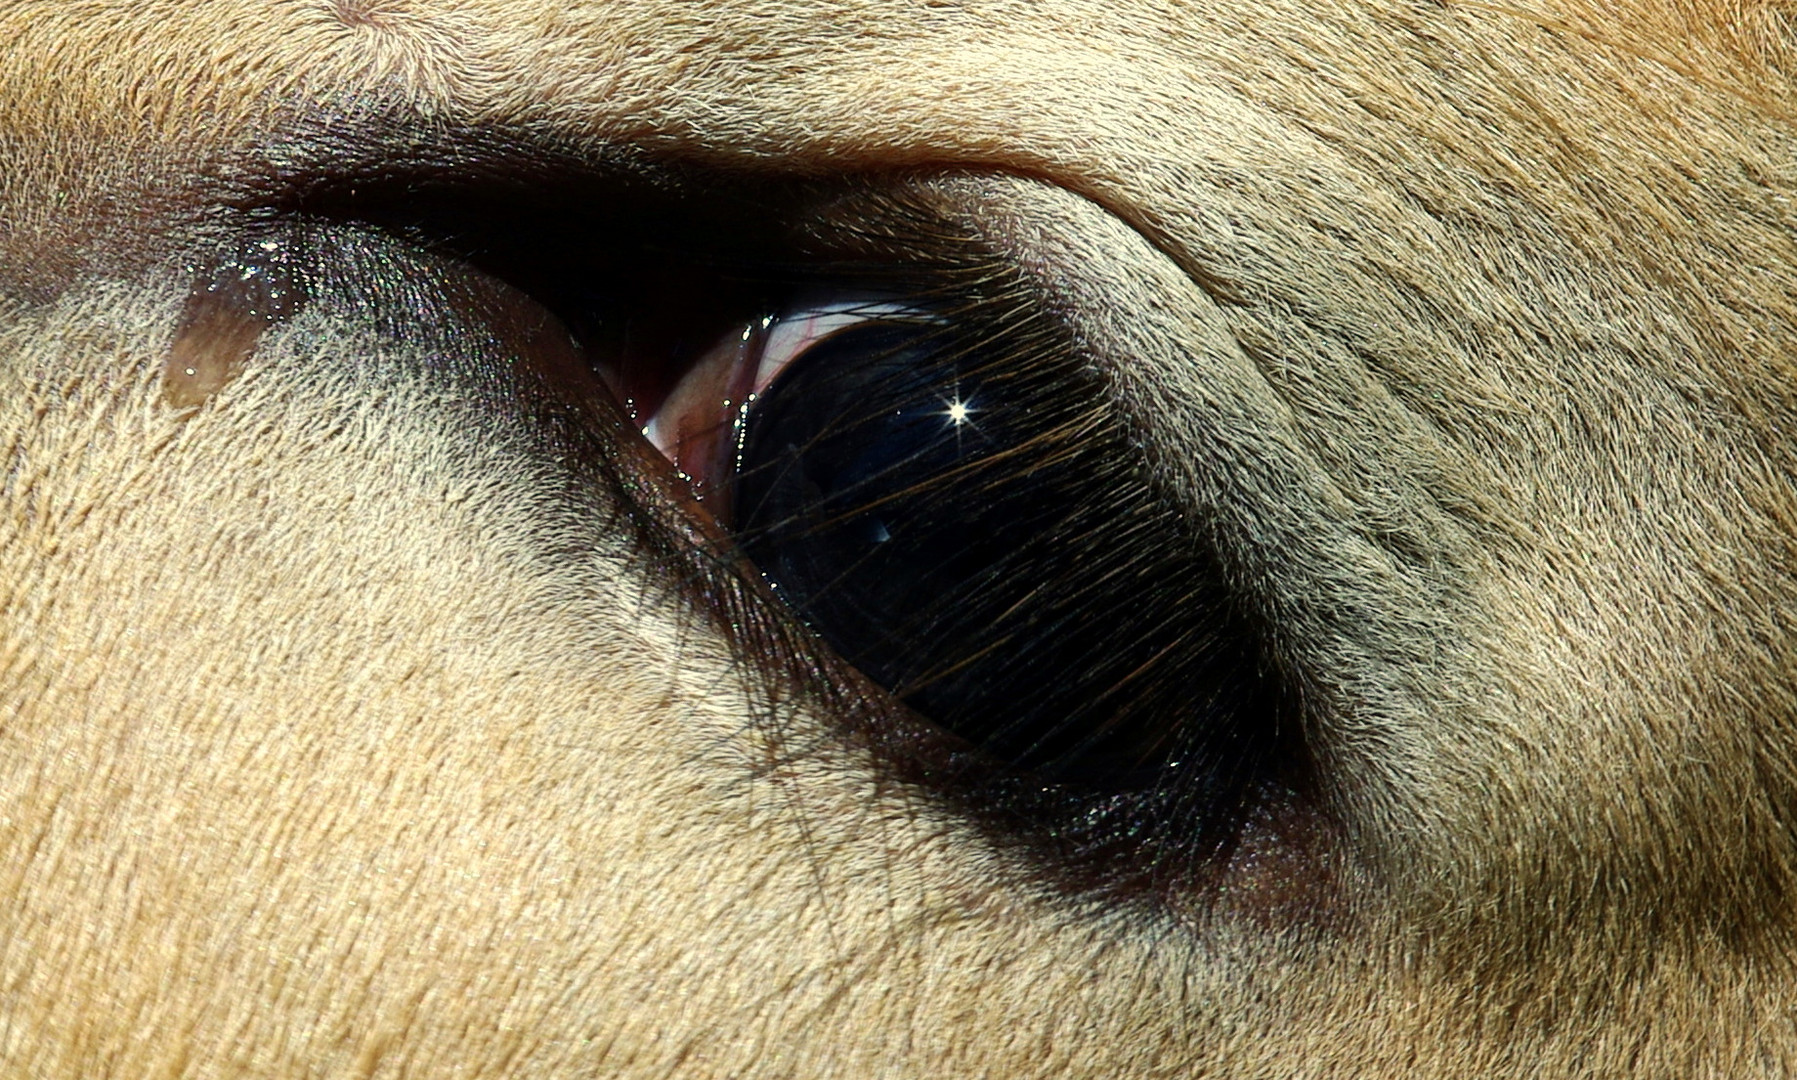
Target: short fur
column 341, row 733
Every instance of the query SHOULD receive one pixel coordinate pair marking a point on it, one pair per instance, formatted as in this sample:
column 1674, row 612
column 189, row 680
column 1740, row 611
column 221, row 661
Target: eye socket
column 916, row 460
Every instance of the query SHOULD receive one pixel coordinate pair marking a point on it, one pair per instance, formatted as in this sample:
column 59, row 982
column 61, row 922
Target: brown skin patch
column 227, row 315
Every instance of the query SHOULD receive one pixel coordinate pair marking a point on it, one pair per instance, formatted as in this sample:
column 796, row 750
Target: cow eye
column 918, row 472
column 936, row 485
column 945, row 516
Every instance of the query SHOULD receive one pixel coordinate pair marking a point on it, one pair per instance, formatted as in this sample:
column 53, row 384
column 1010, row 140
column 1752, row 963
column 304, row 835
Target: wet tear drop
column 231, row 306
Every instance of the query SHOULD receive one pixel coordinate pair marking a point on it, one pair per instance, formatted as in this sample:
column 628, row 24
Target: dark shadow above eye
column 939, row 531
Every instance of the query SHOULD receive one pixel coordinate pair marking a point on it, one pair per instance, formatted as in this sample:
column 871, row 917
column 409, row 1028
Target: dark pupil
column 1007, row 576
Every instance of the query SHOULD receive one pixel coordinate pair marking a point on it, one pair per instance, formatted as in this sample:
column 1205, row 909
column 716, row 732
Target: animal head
column 1358, row 642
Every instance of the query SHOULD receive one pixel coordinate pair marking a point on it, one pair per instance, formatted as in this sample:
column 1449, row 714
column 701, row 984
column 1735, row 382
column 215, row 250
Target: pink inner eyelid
column 795, row 331
column 697, row 424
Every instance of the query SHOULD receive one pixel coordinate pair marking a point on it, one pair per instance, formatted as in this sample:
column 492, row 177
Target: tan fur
column 317, row 759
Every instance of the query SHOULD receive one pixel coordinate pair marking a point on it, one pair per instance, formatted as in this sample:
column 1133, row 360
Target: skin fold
column 365, row 711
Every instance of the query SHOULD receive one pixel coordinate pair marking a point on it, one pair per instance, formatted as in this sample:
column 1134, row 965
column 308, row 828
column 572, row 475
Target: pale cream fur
column 315, row 760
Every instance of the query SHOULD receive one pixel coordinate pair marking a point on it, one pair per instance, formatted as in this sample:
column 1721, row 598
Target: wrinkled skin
column 352, row 724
